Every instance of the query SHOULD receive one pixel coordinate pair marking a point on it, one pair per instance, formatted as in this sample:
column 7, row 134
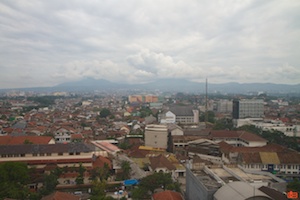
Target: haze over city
column 45, row 43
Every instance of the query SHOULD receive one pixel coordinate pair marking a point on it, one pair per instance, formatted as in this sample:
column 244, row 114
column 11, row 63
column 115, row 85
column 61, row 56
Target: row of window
column 35, row 154
column 258, row 166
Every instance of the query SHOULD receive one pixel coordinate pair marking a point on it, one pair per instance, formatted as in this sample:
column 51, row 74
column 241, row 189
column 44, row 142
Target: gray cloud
column 44, row 43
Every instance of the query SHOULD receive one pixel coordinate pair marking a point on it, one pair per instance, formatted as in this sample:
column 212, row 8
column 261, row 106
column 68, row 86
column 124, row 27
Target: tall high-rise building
column 248, row 108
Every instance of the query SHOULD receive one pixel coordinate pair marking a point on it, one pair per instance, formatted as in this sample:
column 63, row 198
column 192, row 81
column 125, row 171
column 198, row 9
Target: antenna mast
column 206, row 113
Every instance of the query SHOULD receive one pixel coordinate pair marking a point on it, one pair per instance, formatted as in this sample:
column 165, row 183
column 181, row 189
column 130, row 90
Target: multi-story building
column 248, row 108
column 224, row 106
column 143, row 98
column 180, row 115
column 156, row 136
column 41, row 155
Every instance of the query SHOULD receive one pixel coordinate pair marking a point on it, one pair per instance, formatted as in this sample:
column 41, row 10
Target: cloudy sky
column 44, row 43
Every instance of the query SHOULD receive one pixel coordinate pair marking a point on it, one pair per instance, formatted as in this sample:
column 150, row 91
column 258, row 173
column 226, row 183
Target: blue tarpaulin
column 130, row 182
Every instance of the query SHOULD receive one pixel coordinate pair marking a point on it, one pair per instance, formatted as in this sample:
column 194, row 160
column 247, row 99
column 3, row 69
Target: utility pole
column 206, row 113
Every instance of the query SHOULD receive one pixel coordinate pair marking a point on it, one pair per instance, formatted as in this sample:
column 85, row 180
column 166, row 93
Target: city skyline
column 45, row 43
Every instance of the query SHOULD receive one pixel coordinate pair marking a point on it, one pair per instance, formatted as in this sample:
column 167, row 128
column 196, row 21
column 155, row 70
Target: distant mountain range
column 172, row 85
column 180, row 85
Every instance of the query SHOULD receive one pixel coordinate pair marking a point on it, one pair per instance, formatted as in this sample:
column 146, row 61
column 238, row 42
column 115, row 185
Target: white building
column 156, row 136
column 269, row 125
column 180, row 115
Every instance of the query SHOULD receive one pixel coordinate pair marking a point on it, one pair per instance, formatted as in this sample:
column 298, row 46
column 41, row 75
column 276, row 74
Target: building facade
column 156, row 136
column 248, row 108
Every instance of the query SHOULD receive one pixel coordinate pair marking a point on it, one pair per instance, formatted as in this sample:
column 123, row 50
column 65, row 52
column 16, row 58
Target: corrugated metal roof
column 269, row 158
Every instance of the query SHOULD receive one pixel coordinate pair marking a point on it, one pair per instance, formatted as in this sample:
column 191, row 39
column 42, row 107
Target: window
column 71, row 153
column 77, row 153
column 42, row 154
column 34, row 154
column 22, row 155
column 48, row 154
column 60, row 154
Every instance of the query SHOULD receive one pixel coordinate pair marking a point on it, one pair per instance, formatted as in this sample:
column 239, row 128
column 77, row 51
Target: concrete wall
column 195, row 190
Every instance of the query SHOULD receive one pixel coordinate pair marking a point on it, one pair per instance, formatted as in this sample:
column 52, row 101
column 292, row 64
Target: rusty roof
column 167, row 195
column 161, row 161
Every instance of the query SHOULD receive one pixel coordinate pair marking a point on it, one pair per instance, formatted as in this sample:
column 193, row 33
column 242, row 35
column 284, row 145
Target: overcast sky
column 47, row 42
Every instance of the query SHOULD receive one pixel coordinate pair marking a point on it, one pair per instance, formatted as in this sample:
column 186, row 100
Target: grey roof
column 44, row 148
column 239, row 190
column 20, row 124
column 182, row 110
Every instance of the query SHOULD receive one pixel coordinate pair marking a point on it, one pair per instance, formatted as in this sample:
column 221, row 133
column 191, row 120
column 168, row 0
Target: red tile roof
column 12, row 140
column 236, row 134
column 61, row 196
column 76, row 136
column 167, row 195
column 226, row 148
column 100, row 161
column 161, row 161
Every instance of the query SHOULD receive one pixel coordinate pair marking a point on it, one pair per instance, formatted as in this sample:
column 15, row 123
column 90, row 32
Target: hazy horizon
column 45, row 43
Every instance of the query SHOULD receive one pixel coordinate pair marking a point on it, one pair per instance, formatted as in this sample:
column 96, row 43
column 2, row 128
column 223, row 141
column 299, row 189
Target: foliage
column 80, row 178
column 14, row 177
column 27, row 142
column 140, row 193
column 50, row 183
column 223, row 124
column 105, row 112
column 294, row 185
column 210, row 116
column 149, row 183
column 145, row 112
column 124, row 145
column 125, row 165
column 44, row 101
column 100, row 173
column 98, row 189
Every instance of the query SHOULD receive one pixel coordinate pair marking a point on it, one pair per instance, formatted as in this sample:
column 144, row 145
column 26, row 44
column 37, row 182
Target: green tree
column 223, row 124
column 294, row 185
column 14, row 177
column 125, row 165
column 101, row 174
column 27, row 142
column 140, row 193
column 149, row 183
column 210, row 116
column 145, row 112
column 80, row 177
column 49, row 184
column 98, row 190
column 105, row 112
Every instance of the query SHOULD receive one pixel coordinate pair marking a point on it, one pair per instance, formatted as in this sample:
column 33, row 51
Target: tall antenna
column 206, row 113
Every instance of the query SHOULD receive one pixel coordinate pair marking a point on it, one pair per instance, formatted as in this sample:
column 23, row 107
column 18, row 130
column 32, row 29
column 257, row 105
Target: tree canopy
column 149, row 183
column 14, row 178
column 105, row 112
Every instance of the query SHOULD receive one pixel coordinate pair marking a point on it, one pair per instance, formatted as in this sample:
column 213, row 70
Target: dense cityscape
column 143, row 146
column 149, row 100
